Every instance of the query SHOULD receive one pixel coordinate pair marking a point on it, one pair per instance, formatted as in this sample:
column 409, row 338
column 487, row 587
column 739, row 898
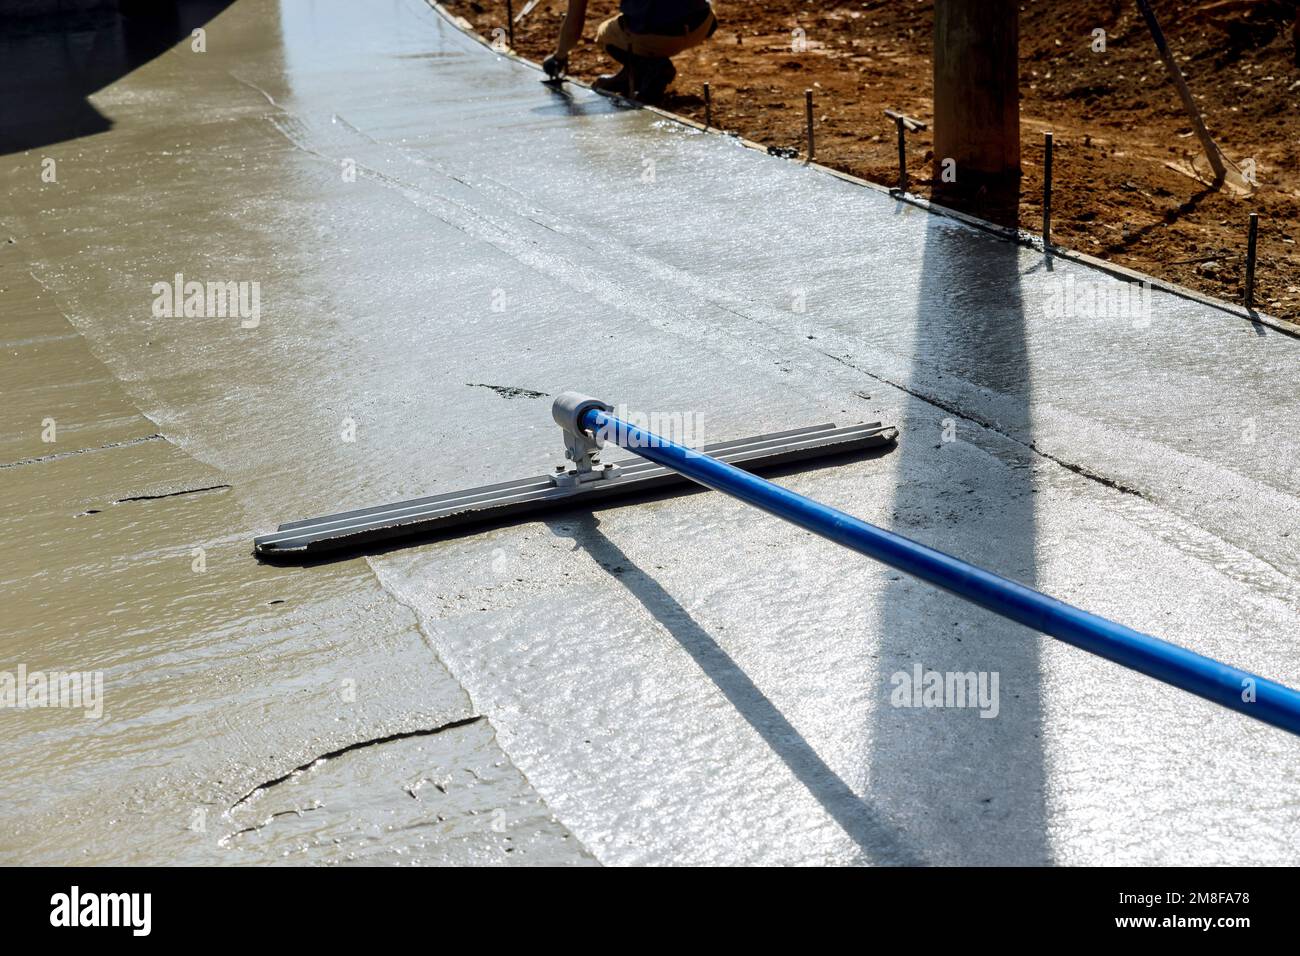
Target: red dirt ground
column 1116, row 117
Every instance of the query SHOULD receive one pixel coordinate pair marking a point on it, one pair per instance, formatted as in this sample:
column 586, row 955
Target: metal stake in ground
column 807, row 98
column 1047, row 191
column 708, row 107
column 1250, row 260
column 510, row 22
column 904, row 123
column 902, row 154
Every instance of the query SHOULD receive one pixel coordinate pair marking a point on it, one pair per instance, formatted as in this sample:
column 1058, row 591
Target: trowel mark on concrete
column 359, row 745
column 83, row 451
column 253, row 86
column 173, row 494
column 449, row 799
column 160, row 495
column 1232, row 539
column 297, row 812
column 952, row 408
column 509, row 391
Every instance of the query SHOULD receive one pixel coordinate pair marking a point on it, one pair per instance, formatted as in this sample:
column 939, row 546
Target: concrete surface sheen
column 678, row 681
column 250, row 715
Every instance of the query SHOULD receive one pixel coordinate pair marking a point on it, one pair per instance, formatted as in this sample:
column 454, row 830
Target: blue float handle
column 1232, row 687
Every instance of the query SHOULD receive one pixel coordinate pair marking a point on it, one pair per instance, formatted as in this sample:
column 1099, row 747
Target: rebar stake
column 807, row 98
column 1047, row 191
column 510, row 22
column 708, row 107
column 902, row 154
column 1251, row 237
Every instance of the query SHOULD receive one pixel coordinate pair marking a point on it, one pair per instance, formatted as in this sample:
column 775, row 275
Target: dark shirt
column 664, row 17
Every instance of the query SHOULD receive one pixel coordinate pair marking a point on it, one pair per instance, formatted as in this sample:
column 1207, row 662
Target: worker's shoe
column 619, row 84
column 652, row 79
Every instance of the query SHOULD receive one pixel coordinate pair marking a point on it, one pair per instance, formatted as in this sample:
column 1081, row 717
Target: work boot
column 619, row 84
column 652, row 79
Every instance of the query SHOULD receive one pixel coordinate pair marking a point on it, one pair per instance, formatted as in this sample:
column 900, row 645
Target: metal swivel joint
column 580, row 446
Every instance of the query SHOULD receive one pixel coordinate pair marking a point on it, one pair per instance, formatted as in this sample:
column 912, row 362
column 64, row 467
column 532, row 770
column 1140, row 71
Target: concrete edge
column 1018, row 236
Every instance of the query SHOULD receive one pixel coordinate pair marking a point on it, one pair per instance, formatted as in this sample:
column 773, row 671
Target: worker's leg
column 613, row 33
column 647, row 67
column 616, row 42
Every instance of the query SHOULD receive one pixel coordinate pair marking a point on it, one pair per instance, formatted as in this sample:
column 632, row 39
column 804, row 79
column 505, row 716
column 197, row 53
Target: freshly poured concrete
column 222, row 678
column 678, row 681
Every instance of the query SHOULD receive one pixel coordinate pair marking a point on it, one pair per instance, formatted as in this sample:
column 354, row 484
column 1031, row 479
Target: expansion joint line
column 1081, row 470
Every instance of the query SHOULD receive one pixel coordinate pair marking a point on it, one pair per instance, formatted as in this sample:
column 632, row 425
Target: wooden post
column 1180, row 83
column 976, row 94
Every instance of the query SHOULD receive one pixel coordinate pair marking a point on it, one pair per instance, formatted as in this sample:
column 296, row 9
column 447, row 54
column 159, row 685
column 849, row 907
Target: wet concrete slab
column 82, row 408
column 449, row 799
column 218, row 680
column 441, row 244
column 223, row 681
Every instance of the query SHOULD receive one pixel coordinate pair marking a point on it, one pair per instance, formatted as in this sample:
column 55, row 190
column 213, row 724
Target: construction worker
column 642, row 37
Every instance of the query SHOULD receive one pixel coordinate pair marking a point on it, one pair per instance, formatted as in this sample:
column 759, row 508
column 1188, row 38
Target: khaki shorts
column 612, row 33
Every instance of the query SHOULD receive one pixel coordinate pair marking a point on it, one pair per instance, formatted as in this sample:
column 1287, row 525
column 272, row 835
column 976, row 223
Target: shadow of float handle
column 1237, row 689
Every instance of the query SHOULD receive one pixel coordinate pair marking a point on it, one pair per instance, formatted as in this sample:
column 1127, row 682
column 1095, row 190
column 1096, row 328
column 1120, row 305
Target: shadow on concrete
column 880, row 841
column 564, row 103
column 971, row 788
column 50, row 65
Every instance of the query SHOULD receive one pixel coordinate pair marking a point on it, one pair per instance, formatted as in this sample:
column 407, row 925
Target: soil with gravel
column 1117, row 122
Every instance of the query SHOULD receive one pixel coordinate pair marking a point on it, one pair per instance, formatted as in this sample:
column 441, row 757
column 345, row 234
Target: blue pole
column 1232, row 687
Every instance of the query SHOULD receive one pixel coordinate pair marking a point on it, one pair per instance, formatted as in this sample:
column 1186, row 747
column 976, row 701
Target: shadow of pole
column 971, row 789
column 878, row 840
